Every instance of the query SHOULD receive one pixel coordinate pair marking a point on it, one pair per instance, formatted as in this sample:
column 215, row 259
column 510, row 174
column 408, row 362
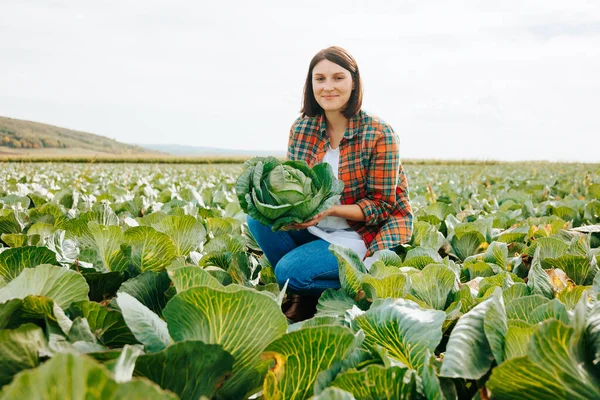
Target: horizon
column 508, row 82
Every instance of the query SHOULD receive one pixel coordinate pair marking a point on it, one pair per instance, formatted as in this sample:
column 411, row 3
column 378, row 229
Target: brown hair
column 341, row 57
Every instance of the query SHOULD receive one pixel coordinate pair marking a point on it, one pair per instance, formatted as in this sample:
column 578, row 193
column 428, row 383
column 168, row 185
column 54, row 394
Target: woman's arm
column 350, row 212
column 382, row 180
column 290, row 149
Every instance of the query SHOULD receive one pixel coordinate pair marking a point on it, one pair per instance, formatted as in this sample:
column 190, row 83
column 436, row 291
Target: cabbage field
column 127, row 281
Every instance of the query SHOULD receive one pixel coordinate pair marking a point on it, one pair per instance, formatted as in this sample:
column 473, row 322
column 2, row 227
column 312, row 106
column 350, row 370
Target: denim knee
column 252, row 224
column 283, row 272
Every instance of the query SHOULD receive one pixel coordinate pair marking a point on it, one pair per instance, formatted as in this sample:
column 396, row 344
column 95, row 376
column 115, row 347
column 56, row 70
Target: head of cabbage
column 280, row 194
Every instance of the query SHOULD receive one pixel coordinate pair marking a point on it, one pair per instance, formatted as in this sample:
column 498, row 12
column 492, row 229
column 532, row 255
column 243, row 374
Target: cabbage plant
column 280, row 194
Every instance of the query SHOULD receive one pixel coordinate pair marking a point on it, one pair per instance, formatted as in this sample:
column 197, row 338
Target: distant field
column 89, row 156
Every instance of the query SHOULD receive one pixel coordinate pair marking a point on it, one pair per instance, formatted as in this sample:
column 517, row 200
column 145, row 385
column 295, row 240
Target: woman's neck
column 336, row 127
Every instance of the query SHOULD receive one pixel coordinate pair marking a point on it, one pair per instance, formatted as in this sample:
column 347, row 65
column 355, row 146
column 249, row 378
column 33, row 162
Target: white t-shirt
column 335, row 229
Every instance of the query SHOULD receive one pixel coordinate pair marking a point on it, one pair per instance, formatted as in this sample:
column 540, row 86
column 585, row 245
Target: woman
column 374, row 212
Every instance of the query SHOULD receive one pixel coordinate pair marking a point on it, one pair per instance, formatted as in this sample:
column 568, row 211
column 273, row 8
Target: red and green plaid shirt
column 371, row 171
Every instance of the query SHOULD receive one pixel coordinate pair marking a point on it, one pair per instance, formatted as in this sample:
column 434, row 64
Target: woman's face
column 332, row 85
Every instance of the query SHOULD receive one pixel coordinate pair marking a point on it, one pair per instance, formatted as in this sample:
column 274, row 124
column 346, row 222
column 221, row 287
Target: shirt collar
column 353, row 125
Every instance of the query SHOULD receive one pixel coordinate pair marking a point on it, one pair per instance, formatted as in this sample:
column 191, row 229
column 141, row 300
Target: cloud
column 449, row 77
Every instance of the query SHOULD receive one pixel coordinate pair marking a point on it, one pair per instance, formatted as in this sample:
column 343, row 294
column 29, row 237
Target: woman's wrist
column 350, row 212
column 333, row 211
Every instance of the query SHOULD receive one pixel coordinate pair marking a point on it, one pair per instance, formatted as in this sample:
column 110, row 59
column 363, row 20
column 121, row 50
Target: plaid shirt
column 371, row 171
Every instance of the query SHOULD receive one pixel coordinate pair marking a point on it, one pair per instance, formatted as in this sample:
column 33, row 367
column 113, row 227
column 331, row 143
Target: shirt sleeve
column 382, row 180
column 405, row 224
column 291, row 145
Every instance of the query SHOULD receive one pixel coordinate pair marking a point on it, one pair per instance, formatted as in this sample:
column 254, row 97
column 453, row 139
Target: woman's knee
column 283, row 271
column 253, row 224
column 302, row 267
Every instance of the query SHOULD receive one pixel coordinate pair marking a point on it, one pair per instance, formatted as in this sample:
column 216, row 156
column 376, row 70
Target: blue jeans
column 299, row 256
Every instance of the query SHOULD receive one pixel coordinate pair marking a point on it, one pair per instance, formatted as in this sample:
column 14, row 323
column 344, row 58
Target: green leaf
column 187, row 233
column 467, row 245
column 388, row 258
column 596, row 287
column 503, row 280
column 580, row 269
column 554, row 368
column 495, row 327
column 550, row 247
column 225, row 243
column 514, row 235
column 521, row 308
column 48, row 213
column 152, row 219
column 41, row 229
column 419, row 257
column 188, row 277
column 571, row 295
column 376, row 382
column 14, row 240
column 434, row 285
column 108, row 326
column 334, row 303
column 149, row 289
column 19, row 349
column 478, row 269
column 332, row 393
column 219, row 226
column 13, row 261
column 468, row 353
column 146, row 326
column 67, row 252
column 538, row 281
column 60, row 284
column 592, row 334
column 497, row 253
column 299, row 357
column 9, row 223
column 391, row 286
column 151, row 250
column 191, row 369
column 244, row 322
column 433, row 240
column 352, row 270
column 517, row 290
column 517, row 339
column 72, row 376
column 402, row 328
column 107, row 241
column 39, row 310
column 380, row 270
column 217, row 259
column 438, row 210
column 102, row 214
column 553, row 309
column 465, row 298
column 80, row 331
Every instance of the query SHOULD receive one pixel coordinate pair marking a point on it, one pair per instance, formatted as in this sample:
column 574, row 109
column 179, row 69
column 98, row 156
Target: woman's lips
column 329, row 97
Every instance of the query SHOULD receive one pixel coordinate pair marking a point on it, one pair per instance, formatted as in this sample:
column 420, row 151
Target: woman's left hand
column 314, row 221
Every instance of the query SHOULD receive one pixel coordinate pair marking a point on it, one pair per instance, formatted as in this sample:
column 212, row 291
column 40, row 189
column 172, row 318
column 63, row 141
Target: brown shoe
column 301, row 307
column 289, row 300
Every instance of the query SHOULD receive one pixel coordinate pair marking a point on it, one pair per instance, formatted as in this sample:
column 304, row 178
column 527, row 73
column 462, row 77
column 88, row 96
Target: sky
column 492, row 80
